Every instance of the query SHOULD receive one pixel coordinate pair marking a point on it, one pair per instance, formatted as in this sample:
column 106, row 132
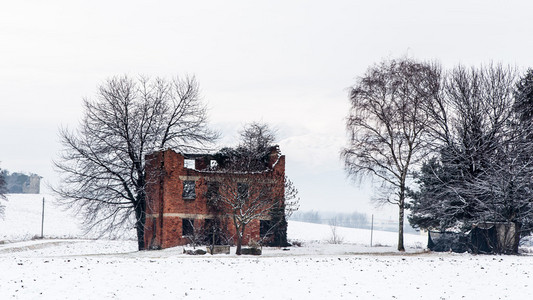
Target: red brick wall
column 164, row 196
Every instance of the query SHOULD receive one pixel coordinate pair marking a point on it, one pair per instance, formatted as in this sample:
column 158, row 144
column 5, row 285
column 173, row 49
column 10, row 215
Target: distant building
column 178, row 190
column 19, row 183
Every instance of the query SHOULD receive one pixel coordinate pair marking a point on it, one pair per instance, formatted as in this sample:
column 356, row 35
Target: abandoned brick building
column 179, row 189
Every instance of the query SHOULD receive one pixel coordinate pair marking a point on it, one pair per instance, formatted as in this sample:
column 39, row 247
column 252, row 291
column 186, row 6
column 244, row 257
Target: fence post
column 371, row 230
column 42, row 222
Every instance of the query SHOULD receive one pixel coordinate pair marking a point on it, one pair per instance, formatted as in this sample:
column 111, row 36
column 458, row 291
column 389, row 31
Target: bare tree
column 335, row 238
column 197, row 235
column 257, row 137
column 253, row 151
column 250, row 188
column 387, row 125
column 102, row 163
column 246, row 197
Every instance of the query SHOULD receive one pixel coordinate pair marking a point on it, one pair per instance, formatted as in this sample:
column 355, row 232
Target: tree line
column 452, row 146
column 353, row 219
column 3, row 192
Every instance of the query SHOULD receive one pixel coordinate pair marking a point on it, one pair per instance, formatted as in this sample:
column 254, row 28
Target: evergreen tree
column 524, row 97
column 3, row 191
column 484, row 168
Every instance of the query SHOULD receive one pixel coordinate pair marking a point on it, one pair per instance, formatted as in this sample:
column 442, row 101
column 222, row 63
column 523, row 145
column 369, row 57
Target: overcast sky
column 286, row 63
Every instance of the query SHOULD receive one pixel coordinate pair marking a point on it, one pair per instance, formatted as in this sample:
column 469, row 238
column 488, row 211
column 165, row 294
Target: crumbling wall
column 166, row 208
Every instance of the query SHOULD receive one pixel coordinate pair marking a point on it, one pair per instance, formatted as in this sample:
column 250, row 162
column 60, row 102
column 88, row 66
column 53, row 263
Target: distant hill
column 19, row 183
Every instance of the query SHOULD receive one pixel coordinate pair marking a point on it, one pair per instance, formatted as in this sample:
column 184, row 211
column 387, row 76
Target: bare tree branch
column 387, row 124
column 102, row 162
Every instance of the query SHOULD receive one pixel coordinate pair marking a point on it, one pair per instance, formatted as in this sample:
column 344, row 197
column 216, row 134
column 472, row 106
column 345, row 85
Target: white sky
column 287, row 63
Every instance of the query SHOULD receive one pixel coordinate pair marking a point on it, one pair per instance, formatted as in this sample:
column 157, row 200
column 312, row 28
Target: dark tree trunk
column 140, row 220
column 400, row 223
column 239, row 239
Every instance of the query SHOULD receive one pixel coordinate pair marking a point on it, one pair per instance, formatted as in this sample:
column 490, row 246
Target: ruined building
column 180, row 192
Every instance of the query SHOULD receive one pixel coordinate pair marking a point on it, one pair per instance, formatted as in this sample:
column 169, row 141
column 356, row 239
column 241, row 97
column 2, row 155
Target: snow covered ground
column 23, row 218
column 112, row 269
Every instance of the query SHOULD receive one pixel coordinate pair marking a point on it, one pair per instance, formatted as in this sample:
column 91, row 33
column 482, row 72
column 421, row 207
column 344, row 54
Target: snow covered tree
column 387, row 125
column 426, row 211
column 102, row 163
column 3, row 192
column 524, row 97
column 483, row 169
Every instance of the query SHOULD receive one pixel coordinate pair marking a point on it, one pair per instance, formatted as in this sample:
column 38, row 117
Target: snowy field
column 67, row 267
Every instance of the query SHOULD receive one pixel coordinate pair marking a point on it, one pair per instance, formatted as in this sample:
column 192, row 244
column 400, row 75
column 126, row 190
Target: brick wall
column 166, row 207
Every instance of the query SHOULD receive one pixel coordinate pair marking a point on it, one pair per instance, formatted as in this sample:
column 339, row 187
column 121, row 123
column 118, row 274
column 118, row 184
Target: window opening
column 190, row 164
column 212, row 191
column 265, row 228
column 189, row 191
column 213, row 164
column 187, row 227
